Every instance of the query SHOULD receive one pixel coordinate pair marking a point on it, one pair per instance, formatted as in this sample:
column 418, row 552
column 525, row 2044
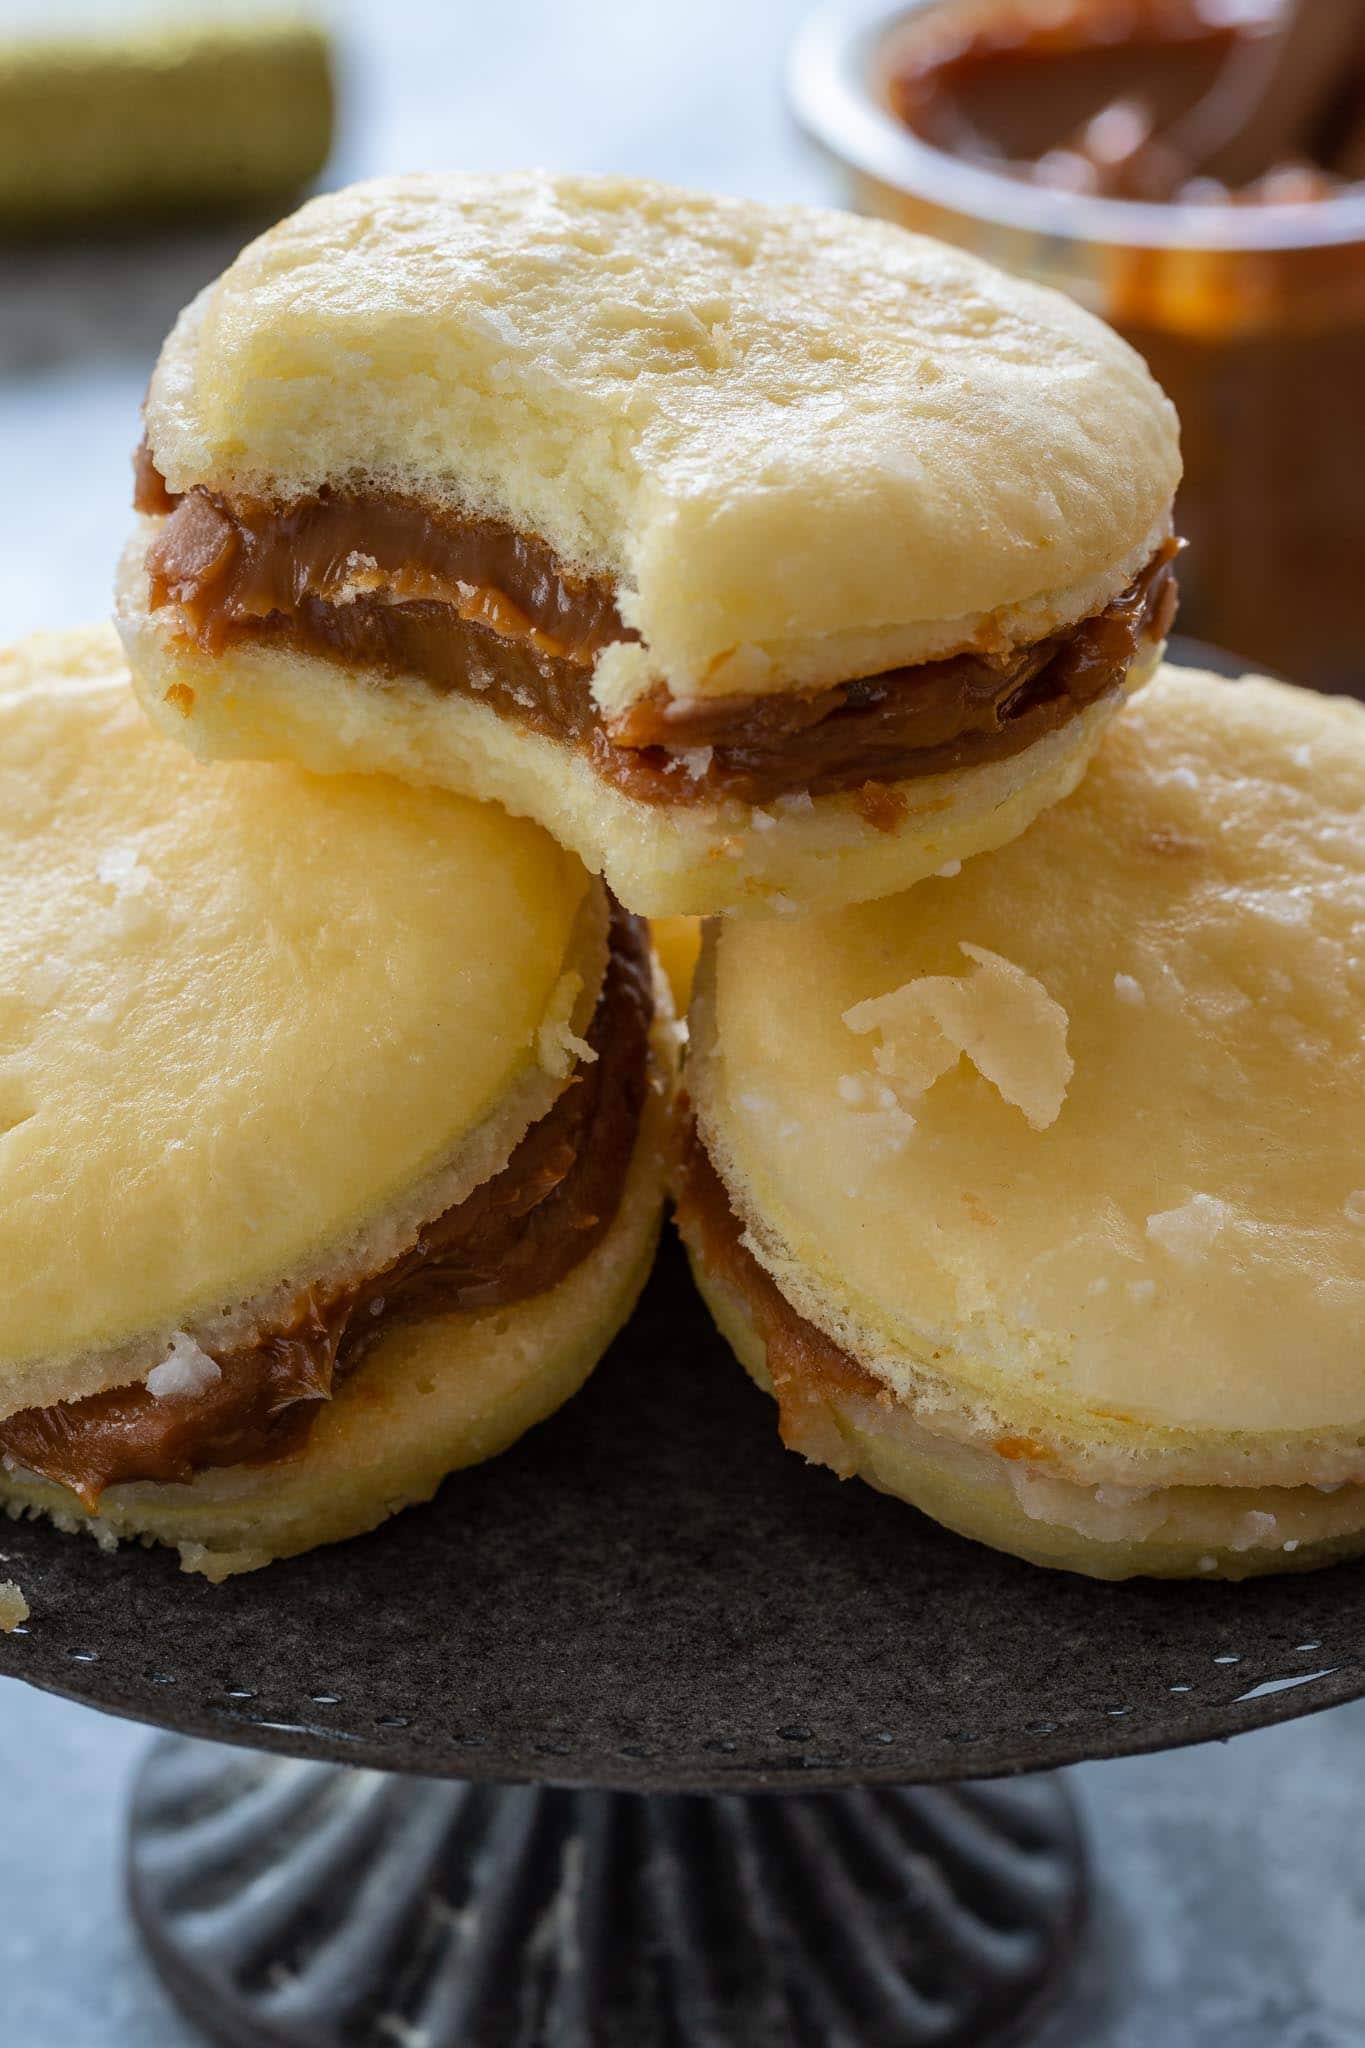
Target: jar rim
column 831, row 69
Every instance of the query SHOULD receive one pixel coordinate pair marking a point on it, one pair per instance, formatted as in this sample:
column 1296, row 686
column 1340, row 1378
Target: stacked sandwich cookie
column 330, row 1129
column 762, row 558
column 525, row 556
column 763, row 555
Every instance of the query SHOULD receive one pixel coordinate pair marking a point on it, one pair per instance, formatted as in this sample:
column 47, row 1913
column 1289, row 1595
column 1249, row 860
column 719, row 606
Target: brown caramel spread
column 229, row 567
column 516, row 1235
column 471, row 607
column 805, row 1366
column 1259, row 348
column 934, row 716
column 1096, row 96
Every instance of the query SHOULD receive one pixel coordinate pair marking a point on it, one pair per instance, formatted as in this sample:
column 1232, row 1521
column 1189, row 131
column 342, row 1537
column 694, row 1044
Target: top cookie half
column 755, row 550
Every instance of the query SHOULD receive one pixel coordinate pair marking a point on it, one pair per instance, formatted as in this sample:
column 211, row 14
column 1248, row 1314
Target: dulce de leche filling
column 516, row 1235
column 1104, row 96
column 469, row 606
column 805, row 1366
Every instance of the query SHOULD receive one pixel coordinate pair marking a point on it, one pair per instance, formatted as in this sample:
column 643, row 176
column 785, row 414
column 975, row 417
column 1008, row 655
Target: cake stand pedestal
column 302, row 1903
column 644, row 1736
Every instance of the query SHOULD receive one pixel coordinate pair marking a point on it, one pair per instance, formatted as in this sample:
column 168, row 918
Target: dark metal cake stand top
column 650, row 1593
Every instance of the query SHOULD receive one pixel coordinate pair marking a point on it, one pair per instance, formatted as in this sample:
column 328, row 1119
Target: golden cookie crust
column 1138, row 1251
column 255, row 1025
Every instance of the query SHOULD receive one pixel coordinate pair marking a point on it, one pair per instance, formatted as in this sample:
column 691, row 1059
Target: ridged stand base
column 299, row 1905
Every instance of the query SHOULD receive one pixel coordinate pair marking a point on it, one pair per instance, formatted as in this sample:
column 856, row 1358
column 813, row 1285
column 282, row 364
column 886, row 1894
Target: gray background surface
column 1228, row 1905
column 1230, row 1884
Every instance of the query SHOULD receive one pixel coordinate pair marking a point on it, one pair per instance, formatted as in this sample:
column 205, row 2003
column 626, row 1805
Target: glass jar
column 1252, row 318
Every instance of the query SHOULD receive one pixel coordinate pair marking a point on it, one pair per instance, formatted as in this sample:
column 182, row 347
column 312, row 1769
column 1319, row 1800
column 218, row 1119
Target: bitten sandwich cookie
column 763, row 555
column 329, row 1129
column 1035, row 1196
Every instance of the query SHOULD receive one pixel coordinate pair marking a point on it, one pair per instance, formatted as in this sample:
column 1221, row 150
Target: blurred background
column 136, row 156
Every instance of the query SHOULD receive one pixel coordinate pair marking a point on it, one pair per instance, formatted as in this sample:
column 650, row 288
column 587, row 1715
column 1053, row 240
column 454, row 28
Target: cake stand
column 658, row 1738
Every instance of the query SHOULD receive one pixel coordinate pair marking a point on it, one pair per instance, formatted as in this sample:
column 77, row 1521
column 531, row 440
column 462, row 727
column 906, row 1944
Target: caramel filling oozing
column 808, row 1370
column 515, row 1236
column 469, row 606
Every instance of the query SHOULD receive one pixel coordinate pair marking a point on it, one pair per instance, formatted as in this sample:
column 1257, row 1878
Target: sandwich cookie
column 764, row 555
column 1035, row 1195
column 330, row 1153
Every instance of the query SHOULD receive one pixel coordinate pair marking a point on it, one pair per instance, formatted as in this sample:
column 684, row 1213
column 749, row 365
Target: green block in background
column 161, row 121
